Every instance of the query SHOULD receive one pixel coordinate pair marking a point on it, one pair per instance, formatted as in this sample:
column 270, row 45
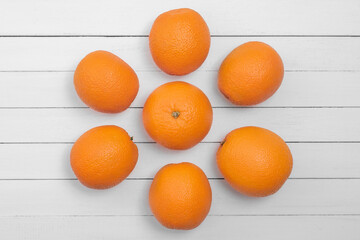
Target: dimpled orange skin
column 254, row 161
column 103, row 157
column 250, row 74
column 177, row 115
column 179, row 41
column 180, row 196
column 105, row 82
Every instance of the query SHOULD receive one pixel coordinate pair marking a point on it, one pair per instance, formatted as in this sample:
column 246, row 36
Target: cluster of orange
column 178, row 115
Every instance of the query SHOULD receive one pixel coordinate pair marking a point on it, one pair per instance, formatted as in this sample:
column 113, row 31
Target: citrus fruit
column 179, row 41
column 250, row 74
column 105, row 83
column 177, row 115
column 254, row 161
column 180, row 196
column 103, row 157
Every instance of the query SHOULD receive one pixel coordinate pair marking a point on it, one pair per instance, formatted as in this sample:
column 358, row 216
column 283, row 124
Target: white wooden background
column 316, row 110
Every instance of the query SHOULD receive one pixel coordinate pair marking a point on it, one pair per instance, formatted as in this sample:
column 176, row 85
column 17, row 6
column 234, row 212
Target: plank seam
column 218, row 107
column 210, row 215
column 156, row 70
column 204, row 142
column 146, row 35
column 150, row 179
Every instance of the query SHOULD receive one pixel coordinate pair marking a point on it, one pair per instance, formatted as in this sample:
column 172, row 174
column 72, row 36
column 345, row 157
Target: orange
column 177, row 115
column 180, row 196
column 105, row 83
column 254, row 161
column 103, row 157
column 179, row 41
column 250, row 74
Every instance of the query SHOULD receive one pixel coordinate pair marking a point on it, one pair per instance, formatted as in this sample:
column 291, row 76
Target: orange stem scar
column 175, row 114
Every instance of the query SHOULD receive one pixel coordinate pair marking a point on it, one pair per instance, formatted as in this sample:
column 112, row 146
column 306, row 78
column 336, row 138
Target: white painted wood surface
column 240, row 17
column 299, row 89
column 293, row 124
column 316, row 110
column 64, row 53
column 146, row 227
column 336, row 160
column 68, row 197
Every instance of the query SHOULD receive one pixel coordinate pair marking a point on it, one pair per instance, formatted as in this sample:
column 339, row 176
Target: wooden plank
column 51, row 161
column 299, row 89
column 64, row 53
column 213, row 228
column 69, row 197
column 318, row 41
column 243, row 17
column 293, row 124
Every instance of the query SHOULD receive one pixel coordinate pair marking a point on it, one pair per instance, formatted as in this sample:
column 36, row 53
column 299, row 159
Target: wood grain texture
column 69, row 197
column 213, row 228
column 112, row 17
column 51, row 161
column 64, row 53
column 317, row 110
column 299, row 89
column 292, row 124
